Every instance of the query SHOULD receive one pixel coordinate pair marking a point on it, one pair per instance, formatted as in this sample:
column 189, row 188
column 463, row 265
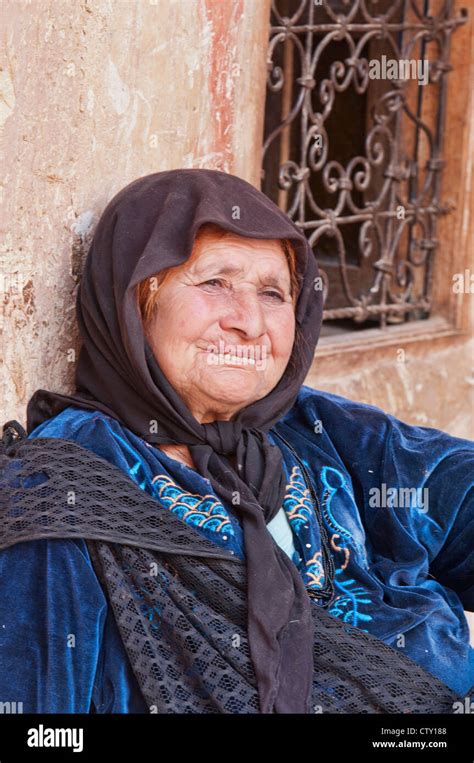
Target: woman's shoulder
column 57, row 560
column 315, row 411
column 95, row 431
column 365, row 437
column 318, row 410
column 70, row 421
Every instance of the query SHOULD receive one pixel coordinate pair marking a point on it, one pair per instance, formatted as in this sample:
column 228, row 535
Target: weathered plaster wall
column 94, row 94
column 428, row 384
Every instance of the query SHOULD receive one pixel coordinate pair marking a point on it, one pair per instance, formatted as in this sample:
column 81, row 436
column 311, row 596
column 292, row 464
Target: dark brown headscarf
column 148, row 226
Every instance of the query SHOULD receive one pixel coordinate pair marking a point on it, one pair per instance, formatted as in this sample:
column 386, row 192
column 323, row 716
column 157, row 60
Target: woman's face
column 224, row 327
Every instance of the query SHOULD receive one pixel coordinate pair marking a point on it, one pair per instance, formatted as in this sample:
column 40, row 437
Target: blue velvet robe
column 405, row 574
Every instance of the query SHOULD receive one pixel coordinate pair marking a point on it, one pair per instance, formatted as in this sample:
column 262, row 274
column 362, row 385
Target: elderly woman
column 352, row 533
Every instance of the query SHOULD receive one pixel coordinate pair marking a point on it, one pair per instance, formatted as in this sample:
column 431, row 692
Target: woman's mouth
column 236, row 355
column 228, row 359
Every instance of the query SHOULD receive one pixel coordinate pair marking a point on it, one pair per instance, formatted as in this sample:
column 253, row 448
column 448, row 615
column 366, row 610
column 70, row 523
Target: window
column 353, row 138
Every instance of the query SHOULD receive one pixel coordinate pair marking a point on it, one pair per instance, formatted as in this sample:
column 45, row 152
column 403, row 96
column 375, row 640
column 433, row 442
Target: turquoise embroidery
column 299, row 510
column 297, row 503
column 333, row 481
column 314, row 571
column 200, row 510
column 346, row 604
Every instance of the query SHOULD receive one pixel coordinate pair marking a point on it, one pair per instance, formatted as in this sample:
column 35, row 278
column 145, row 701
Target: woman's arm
column 52, row 613
column 382, row 453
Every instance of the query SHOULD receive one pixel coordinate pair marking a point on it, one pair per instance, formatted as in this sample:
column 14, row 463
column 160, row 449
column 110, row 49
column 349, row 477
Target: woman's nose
column 244, row 312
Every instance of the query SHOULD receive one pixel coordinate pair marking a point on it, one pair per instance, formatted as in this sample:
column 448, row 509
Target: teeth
column 235, row 359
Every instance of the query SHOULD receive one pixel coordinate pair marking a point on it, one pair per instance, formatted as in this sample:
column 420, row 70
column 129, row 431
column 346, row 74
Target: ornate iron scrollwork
column 352, row 153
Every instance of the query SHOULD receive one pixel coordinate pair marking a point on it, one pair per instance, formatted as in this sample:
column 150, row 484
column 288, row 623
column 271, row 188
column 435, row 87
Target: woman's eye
column 275, row 294
column 267, row 293
column 213, row 281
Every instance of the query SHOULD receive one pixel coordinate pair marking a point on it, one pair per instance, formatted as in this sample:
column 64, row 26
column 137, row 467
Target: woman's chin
column 234, row 387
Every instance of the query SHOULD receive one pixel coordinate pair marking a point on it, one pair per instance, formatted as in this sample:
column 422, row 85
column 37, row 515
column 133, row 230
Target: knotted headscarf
column 150, row 225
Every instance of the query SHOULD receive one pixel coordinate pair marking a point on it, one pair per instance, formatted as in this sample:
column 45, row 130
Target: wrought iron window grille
column 354, row 119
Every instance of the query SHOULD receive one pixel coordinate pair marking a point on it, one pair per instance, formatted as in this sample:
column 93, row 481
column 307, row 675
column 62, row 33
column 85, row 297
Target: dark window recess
column 355, row 160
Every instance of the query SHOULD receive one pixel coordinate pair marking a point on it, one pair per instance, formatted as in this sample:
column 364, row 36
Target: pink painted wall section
column 223, row 70
column 94, row 94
